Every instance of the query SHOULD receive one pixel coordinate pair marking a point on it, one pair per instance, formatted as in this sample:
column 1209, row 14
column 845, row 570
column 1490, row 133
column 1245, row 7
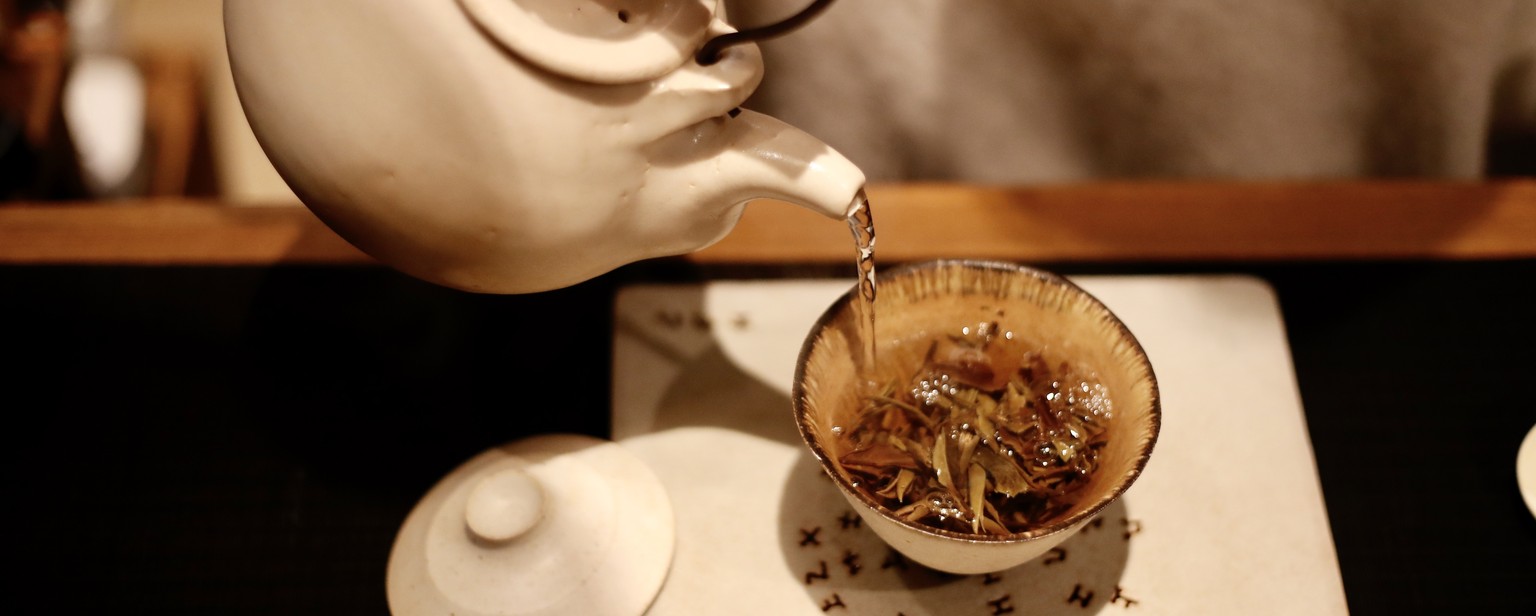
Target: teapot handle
column 710, row 52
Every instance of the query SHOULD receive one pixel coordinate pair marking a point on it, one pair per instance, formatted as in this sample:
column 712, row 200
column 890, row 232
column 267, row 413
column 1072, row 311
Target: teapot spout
column 782, row 162
column 700, row 180
column 724, row 162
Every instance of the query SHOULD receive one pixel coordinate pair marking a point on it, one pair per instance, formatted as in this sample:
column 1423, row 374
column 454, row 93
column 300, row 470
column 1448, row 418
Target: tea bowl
column 929, row 299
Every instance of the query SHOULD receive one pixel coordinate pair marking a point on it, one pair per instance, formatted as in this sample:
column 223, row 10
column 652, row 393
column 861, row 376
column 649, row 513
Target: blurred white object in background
column 104, row 103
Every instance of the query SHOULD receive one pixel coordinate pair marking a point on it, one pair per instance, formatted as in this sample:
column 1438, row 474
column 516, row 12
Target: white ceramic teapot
column 514, row 146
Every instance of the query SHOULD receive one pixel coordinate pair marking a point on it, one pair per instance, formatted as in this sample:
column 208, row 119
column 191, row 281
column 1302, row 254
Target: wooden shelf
column 167, row 232
column 1111, row 222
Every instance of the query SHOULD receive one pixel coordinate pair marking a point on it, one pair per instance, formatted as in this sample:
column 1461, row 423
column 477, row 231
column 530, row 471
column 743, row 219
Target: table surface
column 246, row 437
column 1226, row 518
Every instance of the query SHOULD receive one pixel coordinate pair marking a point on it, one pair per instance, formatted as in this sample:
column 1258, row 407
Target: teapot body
column 415, row 131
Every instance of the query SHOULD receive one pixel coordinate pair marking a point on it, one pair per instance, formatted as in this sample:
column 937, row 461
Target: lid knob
column 504, row 505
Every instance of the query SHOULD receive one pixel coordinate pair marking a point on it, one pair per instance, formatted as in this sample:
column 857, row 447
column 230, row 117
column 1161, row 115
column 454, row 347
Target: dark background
column 248, row 440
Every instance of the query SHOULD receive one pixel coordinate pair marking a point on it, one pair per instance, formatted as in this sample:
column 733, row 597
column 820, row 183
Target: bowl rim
column 1155, row 414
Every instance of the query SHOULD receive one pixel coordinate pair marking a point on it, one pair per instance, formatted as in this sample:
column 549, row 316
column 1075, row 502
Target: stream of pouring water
column 862, row 222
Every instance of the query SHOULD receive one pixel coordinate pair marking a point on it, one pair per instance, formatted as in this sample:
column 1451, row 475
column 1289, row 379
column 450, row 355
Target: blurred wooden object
column 34, row 54
column 174, row 113
column 1109, row 223
column 35, row 48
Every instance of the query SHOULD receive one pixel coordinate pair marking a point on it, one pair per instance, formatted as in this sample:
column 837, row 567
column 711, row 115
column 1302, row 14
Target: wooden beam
column 1113, row 222
column 1160, row 222
column 168, row 232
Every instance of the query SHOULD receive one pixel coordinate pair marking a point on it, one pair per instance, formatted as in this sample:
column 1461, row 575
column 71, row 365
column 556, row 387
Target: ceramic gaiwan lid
column 557, row 524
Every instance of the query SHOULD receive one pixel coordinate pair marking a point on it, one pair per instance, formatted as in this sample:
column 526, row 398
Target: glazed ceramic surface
column 1525, row 470
column 518, row 145
column 1038, row 307
column 547, row 526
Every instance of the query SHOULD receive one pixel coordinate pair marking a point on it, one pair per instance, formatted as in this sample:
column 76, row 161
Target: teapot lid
column 600, row 41
column 558, row 524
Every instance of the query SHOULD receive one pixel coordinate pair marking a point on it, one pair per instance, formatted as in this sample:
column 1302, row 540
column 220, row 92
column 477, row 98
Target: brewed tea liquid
column 987, row 434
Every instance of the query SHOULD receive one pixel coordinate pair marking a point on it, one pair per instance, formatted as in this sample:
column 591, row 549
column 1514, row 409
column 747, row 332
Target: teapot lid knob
column 504, row 505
